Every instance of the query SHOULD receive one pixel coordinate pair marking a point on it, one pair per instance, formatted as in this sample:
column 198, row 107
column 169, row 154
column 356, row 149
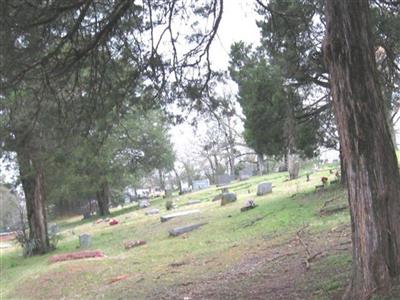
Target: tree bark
column 32, row 179
column 260, row 164
column 371, row 164
column 293, row 166
column 178, row 180
column 343, row 174
column 162, row 181
column 103, row 199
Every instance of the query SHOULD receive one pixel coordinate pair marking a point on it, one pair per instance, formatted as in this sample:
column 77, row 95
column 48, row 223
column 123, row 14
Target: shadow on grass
column 114, row 214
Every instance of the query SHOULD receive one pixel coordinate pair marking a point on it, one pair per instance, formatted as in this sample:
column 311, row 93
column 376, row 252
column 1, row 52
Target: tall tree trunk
column 343, row 174
column 293, row 166
column 32, row 179
column 260, row 163
column 213, row 170
column 178, row 179
column 103, row 199
column 392, row 130
column 161, row 177
column 371, row 164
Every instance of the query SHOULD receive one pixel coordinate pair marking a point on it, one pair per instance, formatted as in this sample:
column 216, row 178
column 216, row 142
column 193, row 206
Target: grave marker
column 85, row 240
column 264, row 188
column 178, row 214
column 228, row 198
column 180, row 230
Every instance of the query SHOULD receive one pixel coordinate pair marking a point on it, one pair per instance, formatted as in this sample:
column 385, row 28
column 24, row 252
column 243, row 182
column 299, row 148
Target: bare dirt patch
column 278, row 271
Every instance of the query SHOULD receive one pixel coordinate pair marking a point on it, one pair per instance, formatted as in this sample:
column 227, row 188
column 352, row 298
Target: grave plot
column 183, row 229
column 178, row 214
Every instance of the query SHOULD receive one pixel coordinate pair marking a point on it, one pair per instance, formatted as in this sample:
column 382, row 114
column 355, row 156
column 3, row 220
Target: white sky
column 238, row 24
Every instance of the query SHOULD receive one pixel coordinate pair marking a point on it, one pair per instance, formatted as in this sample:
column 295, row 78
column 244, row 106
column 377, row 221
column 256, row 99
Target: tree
column 270, row 105
column 58, row 60
column 371, row 164
column 102, row 164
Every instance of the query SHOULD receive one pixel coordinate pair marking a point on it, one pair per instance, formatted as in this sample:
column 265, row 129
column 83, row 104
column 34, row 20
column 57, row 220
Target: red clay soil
column 76, row 255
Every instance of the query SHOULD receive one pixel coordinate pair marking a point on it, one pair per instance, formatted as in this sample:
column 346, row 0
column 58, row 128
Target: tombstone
column 245, row 174
column 250, row 204
column 180, row 230
column 85, row 240
column 200, row 184
column 178, row 214
column 191, row 202
column 152, row 211
column 244, row 177
column 228, row 198
column 264, row 188
column 224, row 179
column 54, row 229
column 144, row 203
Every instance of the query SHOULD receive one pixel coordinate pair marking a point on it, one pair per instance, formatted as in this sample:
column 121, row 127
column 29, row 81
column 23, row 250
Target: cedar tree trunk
column 32, row 179
column 103, row 199
column 372, row 172
column 260, row 163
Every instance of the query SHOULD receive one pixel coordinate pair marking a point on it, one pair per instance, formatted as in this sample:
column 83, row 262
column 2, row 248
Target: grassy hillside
column 281, row 249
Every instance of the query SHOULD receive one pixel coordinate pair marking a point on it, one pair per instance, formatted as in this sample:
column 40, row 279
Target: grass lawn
column 257, row 254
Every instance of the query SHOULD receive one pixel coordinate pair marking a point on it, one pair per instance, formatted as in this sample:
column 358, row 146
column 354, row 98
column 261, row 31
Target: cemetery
column 205, row 239
column 207, row 149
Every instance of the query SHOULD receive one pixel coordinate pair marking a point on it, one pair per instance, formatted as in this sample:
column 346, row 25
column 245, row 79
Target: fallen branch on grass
column 332, row 210
column 330, row 200
column 310, row 257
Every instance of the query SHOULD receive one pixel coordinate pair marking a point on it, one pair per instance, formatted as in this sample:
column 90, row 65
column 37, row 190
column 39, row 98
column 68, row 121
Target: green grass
column 203, row 253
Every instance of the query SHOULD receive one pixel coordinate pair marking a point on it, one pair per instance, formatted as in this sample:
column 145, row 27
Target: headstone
column 228, row 198
column 180, row 230
column 200, row 184
column 244, row 177
column 152, row 211
column 144, row 203
column 264, row 188
column 85, row 240
column 54, row 229
column 250, row 204
column 245, row 174
column 191, row 202
column 178, row 214
column 224, row 179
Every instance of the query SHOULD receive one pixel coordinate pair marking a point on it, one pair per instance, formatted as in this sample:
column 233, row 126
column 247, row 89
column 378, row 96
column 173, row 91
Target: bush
column 169, row 204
